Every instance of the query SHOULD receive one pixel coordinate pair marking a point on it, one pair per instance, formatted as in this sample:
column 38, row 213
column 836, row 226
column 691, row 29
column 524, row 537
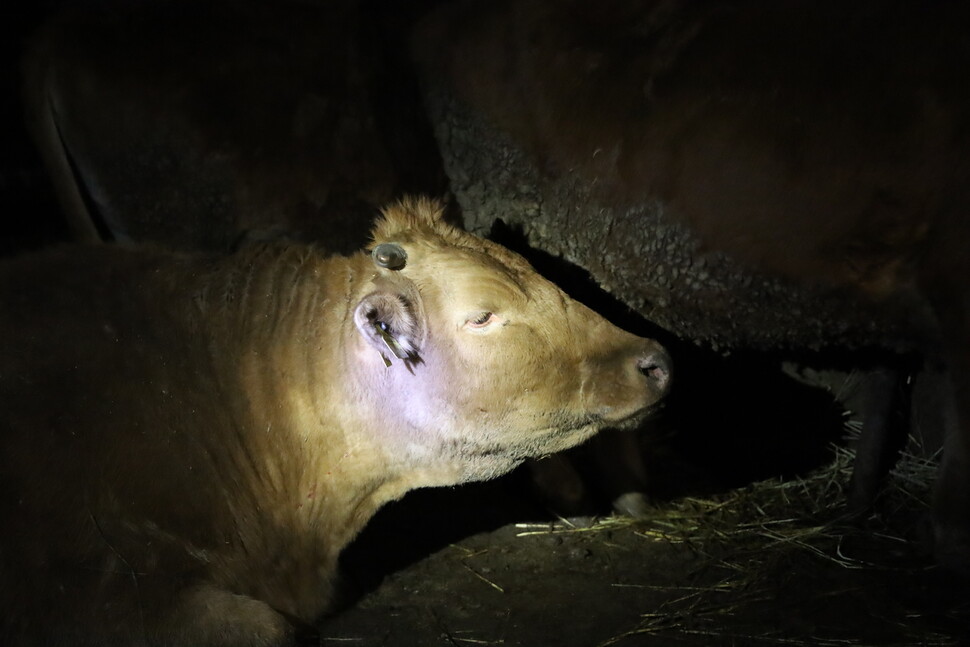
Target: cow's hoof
column 633, row 504
column 211, row 616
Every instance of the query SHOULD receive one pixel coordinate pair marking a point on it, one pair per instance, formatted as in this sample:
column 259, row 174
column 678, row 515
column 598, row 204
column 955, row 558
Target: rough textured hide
column 773, row 175
column 732, row 152
column 188, row 442
column 200, row 124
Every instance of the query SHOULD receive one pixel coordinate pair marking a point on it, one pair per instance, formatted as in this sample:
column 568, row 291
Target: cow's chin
column 484, row 461
column 633, row 420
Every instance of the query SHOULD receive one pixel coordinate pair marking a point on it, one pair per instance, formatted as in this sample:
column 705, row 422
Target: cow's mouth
column 635, row 418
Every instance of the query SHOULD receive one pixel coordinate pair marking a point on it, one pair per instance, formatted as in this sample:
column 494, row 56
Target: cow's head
column 476, row 362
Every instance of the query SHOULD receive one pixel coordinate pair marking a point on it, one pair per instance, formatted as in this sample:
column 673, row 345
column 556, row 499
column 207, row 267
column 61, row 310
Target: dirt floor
column 771, row 563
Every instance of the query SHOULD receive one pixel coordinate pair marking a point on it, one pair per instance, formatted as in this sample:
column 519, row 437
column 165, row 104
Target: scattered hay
column 787, row 547
column 807, row 513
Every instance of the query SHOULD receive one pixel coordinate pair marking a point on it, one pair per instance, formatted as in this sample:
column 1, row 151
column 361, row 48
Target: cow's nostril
column 655, row 365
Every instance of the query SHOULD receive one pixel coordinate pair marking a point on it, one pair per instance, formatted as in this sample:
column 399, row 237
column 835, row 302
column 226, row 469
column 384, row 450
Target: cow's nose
column 655, row 366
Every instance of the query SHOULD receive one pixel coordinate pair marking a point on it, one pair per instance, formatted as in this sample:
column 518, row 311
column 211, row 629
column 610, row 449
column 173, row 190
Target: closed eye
column 483, row 320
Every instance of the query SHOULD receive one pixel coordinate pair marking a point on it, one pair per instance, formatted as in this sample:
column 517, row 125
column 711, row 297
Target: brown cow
column 786, row 175
column 199, row 125
column 188, row 442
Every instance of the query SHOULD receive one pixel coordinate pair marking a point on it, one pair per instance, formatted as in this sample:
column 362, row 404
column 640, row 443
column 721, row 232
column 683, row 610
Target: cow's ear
column 388, row 321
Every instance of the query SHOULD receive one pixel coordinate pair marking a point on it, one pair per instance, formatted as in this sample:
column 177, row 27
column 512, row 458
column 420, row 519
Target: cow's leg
column 619, row 461
column 951, row 506
column 207, row 615
column 950, row 298
column 560, row 485
column 887, row 398
column 614, row 465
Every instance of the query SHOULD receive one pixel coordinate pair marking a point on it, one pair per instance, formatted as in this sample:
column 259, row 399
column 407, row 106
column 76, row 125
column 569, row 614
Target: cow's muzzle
column 626, row 385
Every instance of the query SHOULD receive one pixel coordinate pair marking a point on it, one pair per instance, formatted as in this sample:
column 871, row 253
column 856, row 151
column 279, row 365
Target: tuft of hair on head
column 409, row 218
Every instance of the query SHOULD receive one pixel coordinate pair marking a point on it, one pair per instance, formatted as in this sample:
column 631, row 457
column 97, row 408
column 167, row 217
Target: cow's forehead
column 443, row 252
column 475, row 274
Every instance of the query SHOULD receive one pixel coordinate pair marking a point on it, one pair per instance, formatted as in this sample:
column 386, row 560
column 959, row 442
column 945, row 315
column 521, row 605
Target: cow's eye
column 482, row 320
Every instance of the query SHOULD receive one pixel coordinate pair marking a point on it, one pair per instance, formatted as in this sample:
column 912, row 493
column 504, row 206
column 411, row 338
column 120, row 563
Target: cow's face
column 482, row 362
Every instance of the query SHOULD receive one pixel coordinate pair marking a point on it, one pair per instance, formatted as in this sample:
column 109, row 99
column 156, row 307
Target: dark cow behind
column 188, row 442
column 198, row 124
column 773, row 175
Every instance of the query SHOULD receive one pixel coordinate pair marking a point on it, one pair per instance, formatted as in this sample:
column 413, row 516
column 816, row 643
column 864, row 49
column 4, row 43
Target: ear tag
column 390, row 256
column 390, row 342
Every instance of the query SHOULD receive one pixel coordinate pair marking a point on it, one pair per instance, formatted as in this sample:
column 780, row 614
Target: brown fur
column 761, row 174
column 189, row 442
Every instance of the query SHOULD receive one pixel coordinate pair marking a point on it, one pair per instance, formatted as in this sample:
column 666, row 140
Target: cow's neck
column 284, row 316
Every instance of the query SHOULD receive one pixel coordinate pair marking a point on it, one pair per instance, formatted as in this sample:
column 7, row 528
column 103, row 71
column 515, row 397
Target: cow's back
column 125, row 472
column 79, row 355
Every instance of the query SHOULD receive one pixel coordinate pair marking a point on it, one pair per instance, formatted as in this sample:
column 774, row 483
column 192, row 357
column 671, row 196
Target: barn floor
column 766, row 564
